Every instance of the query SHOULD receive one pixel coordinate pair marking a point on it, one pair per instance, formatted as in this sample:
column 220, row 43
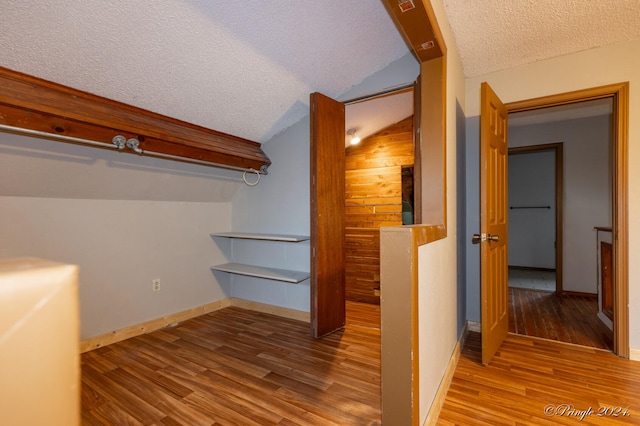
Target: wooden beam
column 414, row 21
column 34, row 104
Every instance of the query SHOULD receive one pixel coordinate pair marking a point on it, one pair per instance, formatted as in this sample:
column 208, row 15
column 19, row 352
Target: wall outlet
column 156, row 285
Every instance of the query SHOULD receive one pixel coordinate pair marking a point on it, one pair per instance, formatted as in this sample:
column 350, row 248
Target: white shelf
column 259, row 236
column 286, row 275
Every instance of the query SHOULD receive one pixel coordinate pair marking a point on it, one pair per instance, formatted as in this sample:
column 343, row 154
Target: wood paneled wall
column 373, row 199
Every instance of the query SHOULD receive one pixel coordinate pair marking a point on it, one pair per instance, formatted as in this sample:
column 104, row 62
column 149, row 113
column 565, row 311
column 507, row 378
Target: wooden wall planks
column 373, row 199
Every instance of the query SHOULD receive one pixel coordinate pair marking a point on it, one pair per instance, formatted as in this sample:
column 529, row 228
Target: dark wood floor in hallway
column 238, row 367
column 566, row 317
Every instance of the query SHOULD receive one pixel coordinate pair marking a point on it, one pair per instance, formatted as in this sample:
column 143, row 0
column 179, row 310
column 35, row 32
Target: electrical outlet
column 156, row 285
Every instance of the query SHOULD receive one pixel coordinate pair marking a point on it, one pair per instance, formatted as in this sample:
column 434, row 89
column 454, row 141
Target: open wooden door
column 493, row 223
column 327, row 153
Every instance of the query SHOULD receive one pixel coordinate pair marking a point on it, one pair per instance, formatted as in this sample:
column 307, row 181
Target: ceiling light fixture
column 354, row 139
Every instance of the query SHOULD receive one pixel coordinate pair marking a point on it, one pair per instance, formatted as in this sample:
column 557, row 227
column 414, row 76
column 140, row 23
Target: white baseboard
column 634, row 354
column 173, row 319
column 473, row 326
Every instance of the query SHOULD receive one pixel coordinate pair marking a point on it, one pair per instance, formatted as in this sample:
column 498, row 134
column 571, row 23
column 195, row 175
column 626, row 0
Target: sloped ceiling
column 497, row 34
column 244, row 68
column 247, row 68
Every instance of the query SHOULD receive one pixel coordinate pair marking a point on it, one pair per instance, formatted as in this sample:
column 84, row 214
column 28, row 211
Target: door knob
column 481, row 238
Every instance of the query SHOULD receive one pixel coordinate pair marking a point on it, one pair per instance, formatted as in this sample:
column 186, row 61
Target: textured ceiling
column 496, row 34
column 244, row 68
column 247, row 68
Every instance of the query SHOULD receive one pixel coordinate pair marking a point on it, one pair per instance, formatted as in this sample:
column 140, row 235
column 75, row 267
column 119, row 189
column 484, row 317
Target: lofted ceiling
column 247, row 68
column 244, row 68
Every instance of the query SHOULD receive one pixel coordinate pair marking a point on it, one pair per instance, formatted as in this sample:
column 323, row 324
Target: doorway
column 378, row 193
column 585, row 128
column 618, row 93
column 535, row 216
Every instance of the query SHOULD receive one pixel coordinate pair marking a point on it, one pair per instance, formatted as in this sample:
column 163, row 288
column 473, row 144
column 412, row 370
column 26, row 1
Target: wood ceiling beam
column 413, row 20
column 34, row 104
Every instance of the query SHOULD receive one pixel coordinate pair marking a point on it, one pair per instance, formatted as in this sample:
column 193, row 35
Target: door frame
column 558, row 150
column 619, row 92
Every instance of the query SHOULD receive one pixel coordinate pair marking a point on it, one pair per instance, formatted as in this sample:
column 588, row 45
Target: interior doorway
column 536, row 216
column 379, row 184
column 615, row 182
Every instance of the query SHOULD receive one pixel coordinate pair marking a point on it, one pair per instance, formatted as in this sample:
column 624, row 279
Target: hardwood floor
column 542, row 382
column 564, row 317
column 238, row 367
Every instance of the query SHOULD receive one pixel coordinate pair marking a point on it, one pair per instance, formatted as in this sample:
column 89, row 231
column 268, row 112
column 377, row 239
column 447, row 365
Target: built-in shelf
column 285, row 275
column 259, row 236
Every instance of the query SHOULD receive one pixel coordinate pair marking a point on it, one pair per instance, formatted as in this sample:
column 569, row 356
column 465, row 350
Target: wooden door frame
column 558, row 150
column 619, row 92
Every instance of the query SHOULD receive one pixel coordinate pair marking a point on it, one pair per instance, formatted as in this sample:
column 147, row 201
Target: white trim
column 474, row 326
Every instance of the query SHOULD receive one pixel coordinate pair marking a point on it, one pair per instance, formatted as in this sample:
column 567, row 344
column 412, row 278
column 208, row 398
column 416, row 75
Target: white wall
column 438, row 287
column 124, row 219
column 587, row 184
column 596, row 67
column 532, row 233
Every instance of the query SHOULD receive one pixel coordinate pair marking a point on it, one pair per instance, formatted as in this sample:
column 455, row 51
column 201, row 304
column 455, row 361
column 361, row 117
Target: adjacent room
column 560, row 213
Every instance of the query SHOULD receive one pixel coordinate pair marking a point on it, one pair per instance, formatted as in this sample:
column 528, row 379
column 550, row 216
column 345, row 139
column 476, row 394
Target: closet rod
column 378, row 94
column 530, row 207
column 263, row 169
column 47, row 135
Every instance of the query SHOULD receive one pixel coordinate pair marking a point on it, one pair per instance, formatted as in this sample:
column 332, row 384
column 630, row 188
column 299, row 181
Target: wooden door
column 493, row 222
column 327, row 152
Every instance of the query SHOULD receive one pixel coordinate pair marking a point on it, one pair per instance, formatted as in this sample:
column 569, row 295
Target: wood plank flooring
column 564, row 317
column 238, row 367
column 534, row 381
